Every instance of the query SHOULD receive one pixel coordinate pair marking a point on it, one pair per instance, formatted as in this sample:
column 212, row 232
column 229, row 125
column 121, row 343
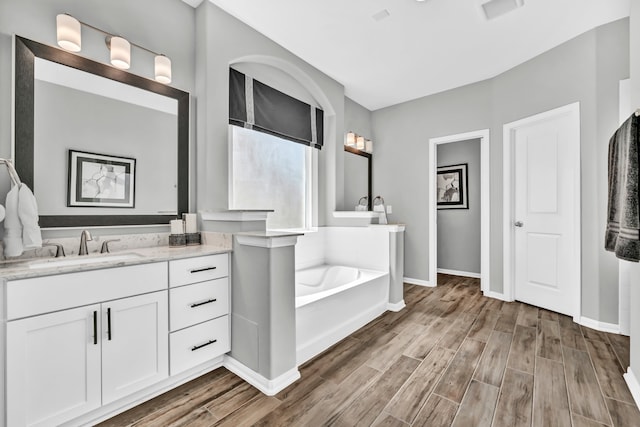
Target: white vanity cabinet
column 199, row 309
column 53, row 368
column 63, row 364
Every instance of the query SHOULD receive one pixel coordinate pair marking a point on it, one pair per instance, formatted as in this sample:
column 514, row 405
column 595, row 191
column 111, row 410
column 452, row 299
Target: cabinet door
column 134, row 344
column 53, row 367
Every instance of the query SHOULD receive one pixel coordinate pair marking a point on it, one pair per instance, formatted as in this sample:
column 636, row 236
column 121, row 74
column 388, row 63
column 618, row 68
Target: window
column 267, row 172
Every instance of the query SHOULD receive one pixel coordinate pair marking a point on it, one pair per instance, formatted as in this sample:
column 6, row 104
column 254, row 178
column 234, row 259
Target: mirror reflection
column 357, row 177
column 106, row 118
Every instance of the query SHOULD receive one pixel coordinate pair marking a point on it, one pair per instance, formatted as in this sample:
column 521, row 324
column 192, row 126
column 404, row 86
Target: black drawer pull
column 109, row 324
column 95, row 328
column 200, row 270
column 198, row 347
column 198, row 304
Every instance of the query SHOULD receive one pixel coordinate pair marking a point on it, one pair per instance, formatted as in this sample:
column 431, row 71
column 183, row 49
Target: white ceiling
column 421, row 48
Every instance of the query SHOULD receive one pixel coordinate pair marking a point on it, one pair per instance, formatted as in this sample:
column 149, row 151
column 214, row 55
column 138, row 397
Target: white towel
column 12, row 225
column 28, row 214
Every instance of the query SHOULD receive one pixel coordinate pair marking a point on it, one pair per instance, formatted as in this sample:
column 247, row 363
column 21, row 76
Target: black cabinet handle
column 200, row 270
column 109, row 324
column 95, row 328
column 198, row 304
column 198, row 347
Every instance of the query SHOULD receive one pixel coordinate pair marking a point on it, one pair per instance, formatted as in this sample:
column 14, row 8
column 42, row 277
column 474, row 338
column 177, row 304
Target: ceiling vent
column 384, row 13
column 494, row 8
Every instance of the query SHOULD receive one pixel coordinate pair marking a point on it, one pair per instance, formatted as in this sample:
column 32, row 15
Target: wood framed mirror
column 64, row 103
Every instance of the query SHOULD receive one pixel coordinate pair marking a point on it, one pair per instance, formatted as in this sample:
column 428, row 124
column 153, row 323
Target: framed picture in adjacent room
column 451, row 187
column 100, row 180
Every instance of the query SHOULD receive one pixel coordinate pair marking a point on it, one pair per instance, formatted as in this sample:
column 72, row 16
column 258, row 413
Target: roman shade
column 254, row 105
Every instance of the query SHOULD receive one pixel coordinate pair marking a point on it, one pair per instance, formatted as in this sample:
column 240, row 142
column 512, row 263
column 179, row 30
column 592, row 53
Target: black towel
column 623, row 212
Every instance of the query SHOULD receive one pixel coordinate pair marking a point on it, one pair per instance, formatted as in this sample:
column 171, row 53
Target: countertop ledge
column 17, row 270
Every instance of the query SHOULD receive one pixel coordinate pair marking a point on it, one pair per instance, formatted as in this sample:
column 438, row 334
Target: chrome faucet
column 84, row 237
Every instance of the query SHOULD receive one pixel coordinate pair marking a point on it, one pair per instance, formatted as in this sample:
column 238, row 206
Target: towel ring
column 12, row 171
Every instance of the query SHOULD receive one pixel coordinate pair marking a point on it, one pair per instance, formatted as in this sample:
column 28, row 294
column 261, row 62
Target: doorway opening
column 465, row 140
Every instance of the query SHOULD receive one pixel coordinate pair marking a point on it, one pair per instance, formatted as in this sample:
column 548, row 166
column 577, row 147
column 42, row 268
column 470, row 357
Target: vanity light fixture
column 68, row 33
column 358, row 142
column 69, row 38
column 120, row 52
column 351, row 139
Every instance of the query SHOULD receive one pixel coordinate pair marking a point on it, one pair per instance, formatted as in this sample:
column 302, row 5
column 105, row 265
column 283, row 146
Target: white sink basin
column 83, row 260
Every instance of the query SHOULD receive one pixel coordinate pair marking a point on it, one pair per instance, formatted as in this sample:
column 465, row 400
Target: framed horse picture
column 451, row 187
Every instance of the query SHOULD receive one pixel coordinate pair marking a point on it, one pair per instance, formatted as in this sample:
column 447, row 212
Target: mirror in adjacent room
column 357, row 177
column 65, row 104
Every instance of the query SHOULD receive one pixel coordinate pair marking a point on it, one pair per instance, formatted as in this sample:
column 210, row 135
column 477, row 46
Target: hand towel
column 12, row 225
column 623, row 211
column 28, row 214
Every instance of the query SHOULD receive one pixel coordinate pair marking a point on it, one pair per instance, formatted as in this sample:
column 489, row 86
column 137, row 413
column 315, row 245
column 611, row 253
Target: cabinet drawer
column 28, row 297
column 198, row 302
column 194, row 270
column 198, row 344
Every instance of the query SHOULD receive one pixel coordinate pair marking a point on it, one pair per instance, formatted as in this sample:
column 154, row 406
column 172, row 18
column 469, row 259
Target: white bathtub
column 334, row 301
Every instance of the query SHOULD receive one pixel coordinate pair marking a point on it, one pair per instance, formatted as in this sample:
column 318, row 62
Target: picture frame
column 451, row 187
column 101, row 180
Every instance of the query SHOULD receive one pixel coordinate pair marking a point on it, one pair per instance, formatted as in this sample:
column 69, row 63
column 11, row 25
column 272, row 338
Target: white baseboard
column 459, row 273
column 309, row 350
column 611, row 328
column 396, row 306
column 495, row 295
column 418, row 282
column 266, row 386
column 634, row 385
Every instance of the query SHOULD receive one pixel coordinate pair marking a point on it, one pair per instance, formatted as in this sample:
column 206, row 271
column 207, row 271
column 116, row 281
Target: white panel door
column 135, row 344
column 53, row 367
column 546, row 155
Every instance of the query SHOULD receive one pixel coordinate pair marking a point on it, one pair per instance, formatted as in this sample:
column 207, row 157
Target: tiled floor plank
column 585, row 396
column 550, row 400
column 411, row 397
column 366, row 408
column 478, row 406
column 523, row 349
column 437, row 412
column 623, row 414
column 455, row 380
column 516, row 399
column 494, row 359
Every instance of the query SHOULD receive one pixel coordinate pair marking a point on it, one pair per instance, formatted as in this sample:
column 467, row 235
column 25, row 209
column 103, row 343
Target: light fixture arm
column 69, row 38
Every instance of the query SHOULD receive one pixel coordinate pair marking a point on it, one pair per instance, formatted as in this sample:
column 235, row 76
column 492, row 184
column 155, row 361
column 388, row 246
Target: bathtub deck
column 452, row 357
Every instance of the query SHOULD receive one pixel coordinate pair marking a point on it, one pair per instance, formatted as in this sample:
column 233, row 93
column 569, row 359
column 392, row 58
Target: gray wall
column 635, row 274
column 574, row 71
column 459, row 229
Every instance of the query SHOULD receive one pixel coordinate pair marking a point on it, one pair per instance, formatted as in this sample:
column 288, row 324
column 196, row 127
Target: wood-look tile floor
column 451, row 358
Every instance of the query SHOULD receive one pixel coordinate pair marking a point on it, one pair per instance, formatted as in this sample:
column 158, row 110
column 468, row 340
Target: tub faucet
column 84, row 236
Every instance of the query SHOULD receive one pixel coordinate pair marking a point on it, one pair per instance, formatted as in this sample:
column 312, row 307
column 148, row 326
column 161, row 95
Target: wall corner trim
column 265, row 385
column 611, row 328
column 234, row 215
column 459, row 273
column 418, row 282
column 634, row 385
column 496, row 295
column 268, row 242
column 396, row 306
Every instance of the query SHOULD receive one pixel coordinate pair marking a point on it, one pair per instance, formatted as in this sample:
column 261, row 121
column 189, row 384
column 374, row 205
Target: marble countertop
column 39, row 267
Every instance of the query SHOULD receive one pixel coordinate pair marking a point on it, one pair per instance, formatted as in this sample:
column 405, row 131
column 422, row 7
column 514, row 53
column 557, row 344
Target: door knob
column 518, row 224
